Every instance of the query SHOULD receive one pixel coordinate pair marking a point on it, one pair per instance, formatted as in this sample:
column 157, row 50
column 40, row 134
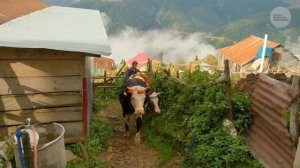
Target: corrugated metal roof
column 141, row 58
column 58, row 28
column 11, row 9
column 268, row 137
column 245, row 50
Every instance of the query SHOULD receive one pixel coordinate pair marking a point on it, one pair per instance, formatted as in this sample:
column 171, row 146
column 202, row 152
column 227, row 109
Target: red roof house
column 241, row 54
column 141, row 58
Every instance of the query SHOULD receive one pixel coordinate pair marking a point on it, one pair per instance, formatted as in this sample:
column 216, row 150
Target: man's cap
column 134, row 62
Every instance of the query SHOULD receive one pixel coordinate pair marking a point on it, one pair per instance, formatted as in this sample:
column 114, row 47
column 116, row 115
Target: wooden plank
column 39, row 85
column 29, row 68
column 73, row 131
column 37, row 54
column 228, row 90
column 65, row 114
column 35, row 101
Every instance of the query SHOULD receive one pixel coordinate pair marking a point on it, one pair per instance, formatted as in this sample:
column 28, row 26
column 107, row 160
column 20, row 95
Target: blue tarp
column 260, row 50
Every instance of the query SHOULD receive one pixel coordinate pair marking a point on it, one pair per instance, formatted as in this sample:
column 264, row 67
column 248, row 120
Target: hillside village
column 144, row 84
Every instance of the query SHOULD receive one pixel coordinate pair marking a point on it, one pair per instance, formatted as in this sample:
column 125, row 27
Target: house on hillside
column 142, row 59
column 45, row 61
column 208, row 63
column 245, row 56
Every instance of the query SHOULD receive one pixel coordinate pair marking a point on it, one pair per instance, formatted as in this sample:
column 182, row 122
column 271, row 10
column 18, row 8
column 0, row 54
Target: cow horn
column 159, row 93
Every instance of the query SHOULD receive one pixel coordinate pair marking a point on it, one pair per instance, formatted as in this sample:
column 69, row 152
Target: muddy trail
column 122, row 152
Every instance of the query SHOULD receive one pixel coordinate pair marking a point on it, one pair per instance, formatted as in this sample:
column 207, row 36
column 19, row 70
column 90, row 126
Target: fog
column 174, row 46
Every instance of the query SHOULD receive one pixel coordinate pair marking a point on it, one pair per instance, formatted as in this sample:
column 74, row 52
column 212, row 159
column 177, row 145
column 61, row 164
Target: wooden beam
column 37, row 54
column 74, row 132
column 294, row 110
column 65, row 114
column 120, row 70
column 36, row 101
column 39, row 85
column 29, row 68
column 228, row 89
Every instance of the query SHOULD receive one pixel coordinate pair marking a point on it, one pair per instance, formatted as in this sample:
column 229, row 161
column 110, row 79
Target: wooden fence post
column 294, row 110
column 169, row 72
column 104, row 83
column 149, row 66
column 94, row 89
column 228, row 89
column 177, row 74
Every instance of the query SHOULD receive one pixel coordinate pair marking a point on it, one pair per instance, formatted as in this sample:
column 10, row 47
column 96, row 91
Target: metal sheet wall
column 268, row 137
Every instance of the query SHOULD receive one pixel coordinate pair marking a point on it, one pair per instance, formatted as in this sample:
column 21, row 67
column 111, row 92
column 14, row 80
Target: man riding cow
column 134, row 95
column 132, row 70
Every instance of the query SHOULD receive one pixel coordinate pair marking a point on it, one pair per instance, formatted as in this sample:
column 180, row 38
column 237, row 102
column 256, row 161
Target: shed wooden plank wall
column 45, row 85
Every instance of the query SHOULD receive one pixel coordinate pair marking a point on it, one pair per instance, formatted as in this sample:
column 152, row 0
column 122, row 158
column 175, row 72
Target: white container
column 51, row 147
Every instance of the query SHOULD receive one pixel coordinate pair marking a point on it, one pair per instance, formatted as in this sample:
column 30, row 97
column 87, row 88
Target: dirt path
column 122, row 152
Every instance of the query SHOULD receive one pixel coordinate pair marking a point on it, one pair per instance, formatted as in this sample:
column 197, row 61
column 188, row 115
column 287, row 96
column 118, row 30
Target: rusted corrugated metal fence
column 268, row 137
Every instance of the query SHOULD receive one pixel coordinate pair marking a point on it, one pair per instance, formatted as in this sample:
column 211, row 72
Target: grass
column 235, row 77
column 100, row 132
column 159, row 143
column 102, row 99
column 97, row 141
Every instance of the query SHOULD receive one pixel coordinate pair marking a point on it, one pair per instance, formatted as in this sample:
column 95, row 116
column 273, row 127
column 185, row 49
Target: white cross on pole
column 263, row 54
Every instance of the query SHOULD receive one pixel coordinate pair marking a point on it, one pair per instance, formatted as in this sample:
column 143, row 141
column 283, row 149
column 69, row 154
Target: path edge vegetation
column 189, row 111
column 186, row 111
column 88, row 150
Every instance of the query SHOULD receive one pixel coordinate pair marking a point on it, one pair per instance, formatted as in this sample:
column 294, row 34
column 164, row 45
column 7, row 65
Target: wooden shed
column 45, row 59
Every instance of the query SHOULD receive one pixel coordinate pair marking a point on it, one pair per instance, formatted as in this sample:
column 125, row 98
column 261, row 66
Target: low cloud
column 175, row 46
column 106, row 20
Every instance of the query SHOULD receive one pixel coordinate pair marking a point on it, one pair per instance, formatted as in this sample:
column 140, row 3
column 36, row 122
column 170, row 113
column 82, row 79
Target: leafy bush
column 242, row 117
column 198, row 109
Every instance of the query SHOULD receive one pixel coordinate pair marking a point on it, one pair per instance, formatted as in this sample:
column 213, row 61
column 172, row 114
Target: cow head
column 153, row 101
column 138, row 96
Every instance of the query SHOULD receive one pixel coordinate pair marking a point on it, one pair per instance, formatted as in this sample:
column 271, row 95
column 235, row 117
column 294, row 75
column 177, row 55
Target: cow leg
column 138, row 130
column 126, row 119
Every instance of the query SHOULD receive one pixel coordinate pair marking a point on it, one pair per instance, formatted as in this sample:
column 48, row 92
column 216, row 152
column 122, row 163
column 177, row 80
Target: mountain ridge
column 232, row 19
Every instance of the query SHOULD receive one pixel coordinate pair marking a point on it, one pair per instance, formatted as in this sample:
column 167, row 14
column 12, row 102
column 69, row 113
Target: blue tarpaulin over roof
column 269, row 51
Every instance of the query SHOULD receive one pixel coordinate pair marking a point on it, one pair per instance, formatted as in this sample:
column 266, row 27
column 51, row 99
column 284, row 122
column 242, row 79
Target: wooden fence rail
column 107, row 82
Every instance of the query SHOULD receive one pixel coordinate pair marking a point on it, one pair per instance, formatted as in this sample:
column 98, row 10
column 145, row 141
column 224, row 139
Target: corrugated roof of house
column 11, row 9
column 58, row 28
column 245, row 50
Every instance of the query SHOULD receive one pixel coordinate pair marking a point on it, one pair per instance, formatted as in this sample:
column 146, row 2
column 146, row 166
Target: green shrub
column 198, row 109
column 242, row 117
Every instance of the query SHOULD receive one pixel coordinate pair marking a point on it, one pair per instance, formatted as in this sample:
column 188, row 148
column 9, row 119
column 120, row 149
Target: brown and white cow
column 152, row 101
column 133, row 97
